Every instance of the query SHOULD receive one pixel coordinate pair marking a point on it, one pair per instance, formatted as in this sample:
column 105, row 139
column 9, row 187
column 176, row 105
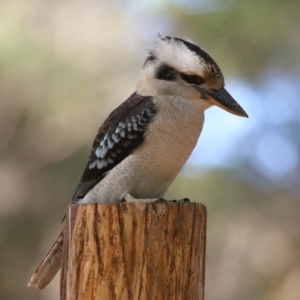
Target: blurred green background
column 64, row 65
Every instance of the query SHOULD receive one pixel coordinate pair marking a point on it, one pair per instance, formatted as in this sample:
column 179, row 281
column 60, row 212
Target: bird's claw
column 129, row 199
column 184, row 200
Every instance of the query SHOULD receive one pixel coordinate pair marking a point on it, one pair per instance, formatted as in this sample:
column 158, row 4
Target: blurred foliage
column 57, row 62
column 247, row 36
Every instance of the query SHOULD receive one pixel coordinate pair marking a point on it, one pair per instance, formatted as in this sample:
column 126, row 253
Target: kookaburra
column 143, row 144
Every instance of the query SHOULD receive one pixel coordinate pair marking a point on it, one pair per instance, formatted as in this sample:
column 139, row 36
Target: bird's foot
column 162, row 200
column 184, row 200
column 129, row 199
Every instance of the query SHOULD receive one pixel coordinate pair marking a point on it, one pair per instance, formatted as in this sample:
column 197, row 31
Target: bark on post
column 134, row 251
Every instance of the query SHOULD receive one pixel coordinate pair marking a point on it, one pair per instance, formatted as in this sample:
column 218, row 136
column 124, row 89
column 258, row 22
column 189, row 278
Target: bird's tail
column 49, row 266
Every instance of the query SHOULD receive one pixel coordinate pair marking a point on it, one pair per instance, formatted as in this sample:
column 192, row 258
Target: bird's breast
column 172, row 136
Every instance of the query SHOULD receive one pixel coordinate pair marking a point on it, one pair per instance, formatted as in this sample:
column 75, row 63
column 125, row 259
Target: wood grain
column 134, row 251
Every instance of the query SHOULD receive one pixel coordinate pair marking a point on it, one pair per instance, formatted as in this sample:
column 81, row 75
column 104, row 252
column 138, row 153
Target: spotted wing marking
column 122, row 132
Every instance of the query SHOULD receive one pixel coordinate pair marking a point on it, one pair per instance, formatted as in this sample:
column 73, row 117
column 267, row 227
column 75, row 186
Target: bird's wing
column 121, row 133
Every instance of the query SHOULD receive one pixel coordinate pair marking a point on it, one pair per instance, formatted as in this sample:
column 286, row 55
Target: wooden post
column 134, row 251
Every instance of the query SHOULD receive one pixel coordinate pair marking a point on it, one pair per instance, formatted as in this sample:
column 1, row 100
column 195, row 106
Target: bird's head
column 181, row 68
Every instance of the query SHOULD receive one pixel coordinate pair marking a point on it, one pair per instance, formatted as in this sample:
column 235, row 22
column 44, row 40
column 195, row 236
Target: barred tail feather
column 49, row 266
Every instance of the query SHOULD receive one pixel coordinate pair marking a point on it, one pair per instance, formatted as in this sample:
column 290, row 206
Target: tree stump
column 134, row 251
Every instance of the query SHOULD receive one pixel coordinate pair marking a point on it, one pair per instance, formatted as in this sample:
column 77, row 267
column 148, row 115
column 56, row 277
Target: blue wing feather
column 122, row 132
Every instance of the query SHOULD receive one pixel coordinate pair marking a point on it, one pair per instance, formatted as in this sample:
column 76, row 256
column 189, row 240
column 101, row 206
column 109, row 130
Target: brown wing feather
column 121, row 133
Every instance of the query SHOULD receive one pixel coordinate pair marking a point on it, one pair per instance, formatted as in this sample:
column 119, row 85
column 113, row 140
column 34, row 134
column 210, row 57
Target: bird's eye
column 192, row 79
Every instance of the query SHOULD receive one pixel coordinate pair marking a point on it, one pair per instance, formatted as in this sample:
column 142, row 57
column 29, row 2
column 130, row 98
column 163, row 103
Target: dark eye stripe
column 192, row 79
column 166, row 72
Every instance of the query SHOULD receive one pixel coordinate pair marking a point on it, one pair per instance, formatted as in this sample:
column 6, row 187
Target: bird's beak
column 224, row 100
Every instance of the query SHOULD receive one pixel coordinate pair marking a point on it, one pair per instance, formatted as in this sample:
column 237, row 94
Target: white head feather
column 176, row 54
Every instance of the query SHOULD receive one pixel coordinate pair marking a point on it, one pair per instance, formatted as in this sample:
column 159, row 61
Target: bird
column 144, row 143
